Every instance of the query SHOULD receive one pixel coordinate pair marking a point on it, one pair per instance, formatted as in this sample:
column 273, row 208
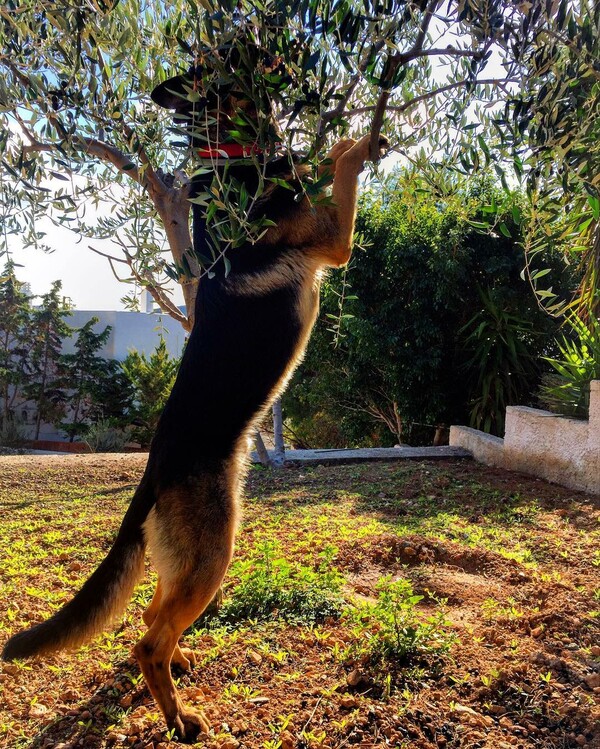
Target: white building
column 130, row 330
column 139, row 331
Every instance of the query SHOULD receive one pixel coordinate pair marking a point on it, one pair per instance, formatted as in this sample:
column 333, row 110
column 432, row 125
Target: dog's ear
column 172, row 93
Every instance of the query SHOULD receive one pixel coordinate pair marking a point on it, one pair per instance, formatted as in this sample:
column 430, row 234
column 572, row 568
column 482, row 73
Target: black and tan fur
column 251, row 329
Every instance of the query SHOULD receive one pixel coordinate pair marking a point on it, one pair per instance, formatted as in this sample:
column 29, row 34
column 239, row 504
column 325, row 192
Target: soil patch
column 515, row 559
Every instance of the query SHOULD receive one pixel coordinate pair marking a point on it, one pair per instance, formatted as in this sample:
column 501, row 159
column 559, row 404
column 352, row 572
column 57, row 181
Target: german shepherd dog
column 252, row 325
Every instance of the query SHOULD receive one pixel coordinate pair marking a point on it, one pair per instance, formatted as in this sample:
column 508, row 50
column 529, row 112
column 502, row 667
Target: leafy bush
column 400, row 368
column 104, row 437
column 270, row 586
column 392, row 629
column 567, row 390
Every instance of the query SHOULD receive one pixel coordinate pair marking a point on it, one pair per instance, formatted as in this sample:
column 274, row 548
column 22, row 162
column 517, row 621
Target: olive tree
column 79, row 131
column 546, row 135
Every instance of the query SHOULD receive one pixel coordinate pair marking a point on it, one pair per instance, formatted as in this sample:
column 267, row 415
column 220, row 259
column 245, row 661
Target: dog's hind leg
column 183, row 658
column 191, row 541
column 149, row 615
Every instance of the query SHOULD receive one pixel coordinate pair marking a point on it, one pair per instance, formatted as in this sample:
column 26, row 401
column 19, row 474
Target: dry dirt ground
column 503, row 645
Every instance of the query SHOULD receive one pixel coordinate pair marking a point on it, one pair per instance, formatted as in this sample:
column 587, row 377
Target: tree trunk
column 41, row 399
column 261, row 450
column 174, row 210
column 279, row 457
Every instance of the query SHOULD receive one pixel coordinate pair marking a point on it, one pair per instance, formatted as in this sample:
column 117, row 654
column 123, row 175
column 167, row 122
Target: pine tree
column 111, row 396
column 152, row 379
column 46, row 387
column 15, row 340
column 83, row 369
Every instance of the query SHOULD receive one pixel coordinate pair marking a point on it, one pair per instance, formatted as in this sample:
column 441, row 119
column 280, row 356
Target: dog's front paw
column 363, row 147
column 383, row 145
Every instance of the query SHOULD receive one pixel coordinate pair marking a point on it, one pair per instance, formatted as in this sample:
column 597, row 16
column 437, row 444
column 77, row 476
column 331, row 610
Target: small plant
column 270, row 585
column 103, row 437
column 488, row 679
column 241, row 692
column 170, row 734
column 567, row 390
column 494, row 610
column 392, row 629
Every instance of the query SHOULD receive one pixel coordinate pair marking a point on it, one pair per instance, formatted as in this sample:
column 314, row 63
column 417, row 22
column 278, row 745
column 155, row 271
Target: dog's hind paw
column 189, row 724
column 183, row 658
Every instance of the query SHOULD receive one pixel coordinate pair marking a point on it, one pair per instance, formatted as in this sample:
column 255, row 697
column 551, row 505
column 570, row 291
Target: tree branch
column 147, row 282
column 24, row 79
column 430, row 94
column 163, row 301
column 147, row 177
column 421, row 36
column 98, row 148
column 448, row 51
column 151, row 179
column 335, row 112
column 397, row 60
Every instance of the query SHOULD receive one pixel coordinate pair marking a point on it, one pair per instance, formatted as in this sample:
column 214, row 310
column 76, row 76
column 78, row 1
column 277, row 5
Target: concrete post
column 594, row 415
column 594, row 438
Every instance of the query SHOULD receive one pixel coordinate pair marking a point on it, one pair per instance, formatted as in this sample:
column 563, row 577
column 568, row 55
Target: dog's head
column 214, row 110
column 205, row 116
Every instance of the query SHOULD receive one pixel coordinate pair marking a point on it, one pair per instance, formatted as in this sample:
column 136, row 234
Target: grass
column 364, row 604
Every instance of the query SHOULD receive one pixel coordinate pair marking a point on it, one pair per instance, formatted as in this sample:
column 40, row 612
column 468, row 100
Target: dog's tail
column 103, row 596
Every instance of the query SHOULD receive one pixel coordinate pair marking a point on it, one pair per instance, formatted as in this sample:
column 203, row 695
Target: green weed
column 493, row 610
column 393, row 631
column 269, row 585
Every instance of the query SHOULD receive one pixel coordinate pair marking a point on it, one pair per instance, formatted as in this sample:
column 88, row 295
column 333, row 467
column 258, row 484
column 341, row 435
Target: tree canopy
column 80, row 131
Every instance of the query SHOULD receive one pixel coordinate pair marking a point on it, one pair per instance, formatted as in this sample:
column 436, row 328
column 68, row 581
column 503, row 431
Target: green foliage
column 15, row 340
column 553, row 127
column 46, row 385
column 567, row 391
column 33, row 368
column 392, row 630
column 74, row 100
column 83, row 369
column 270, row 586
column 401, row 364
column 151, row 380
column 502, row 365
column 111, row 395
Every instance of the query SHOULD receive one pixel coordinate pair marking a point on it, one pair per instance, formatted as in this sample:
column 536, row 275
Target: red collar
column 228, row 151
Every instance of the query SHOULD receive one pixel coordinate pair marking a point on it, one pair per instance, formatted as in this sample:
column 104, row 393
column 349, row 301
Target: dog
column 253, row 319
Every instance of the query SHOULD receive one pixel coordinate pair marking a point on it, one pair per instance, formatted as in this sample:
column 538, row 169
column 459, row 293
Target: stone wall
column 540, row 443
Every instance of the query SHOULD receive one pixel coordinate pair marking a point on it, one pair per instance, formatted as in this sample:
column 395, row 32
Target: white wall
column 130, row 330
column 539, row 443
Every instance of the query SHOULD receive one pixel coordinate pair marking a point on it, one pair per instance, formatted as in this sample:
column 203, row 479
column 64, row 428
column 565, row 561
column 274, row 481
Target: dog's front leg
column 346, row 167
